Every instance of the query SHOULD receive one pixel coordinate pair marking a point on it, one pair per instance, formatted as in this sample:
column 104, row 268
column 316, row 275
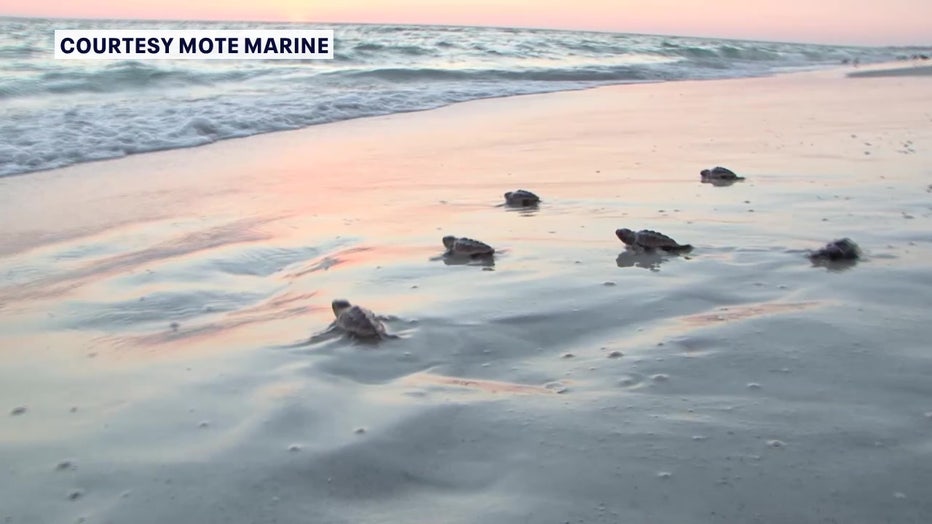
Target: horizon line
column 533, row 28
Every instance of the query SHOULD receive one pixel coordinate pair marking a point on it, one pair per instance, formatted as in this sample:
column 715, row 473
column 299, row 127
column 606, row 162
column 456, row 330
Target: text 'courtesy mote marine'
column 122, row 44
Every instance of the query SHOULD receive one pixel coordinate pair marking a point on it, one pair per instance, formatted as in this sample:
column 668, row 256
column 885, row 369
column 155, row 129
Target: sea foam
column 55, row 113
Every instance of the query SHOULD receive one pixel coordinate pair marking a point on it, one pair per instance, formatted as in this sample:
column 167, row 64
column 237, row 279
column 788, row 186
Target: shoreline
column 879, row 70
column 885, row 69
column 189, row 161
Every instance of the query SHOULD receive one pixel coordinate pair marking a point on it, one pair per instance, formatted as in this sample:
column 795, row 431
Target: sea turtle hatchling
column 521, row 198
column 466, row 247
column 648, row 240
column 843, row 249
column 357, row 320
column 719, row 174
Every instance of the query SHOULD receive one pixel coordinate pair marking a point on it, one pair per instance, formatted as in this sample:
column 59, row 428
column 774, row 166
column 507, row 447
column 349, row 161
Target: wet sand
column 155, row 313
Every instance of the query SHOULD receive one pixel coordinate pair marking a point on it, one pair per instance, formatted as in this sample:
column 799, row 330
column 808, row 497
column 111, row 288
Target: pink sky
column 827, row 21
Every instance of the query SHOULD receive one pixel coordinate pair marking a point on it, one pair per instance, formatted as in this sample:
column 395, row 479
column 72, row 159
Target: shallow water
column 166, row 373
column 56, row 113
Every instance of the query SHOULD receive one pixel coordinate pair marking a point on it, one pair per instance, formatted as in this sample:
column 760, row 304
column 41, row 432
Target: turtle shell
column 654, row 240
column 842, row 249
column 521, row 197
column 470, row 247
column 360, row 322
column 719, row 173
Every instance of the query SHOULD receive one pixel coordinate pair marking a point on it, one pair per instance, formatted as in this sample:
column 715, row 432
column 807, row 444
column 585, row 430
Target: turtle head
column 340, row 305
column 448, row 241
column 508, row 195
column 705, row 173
column 625, row 235
column 846, row 248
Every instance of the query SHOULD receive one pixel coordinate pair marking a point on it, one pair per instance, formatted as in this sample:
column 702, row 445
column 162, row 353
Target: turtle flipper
column 682, row 248
column 331, row 332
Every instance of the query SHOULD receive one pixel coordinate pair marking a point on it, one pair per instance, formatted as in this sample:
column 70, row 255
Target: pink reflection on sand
column 225, row 332
column 189, row 243
column 482, row 386
column 734, row 313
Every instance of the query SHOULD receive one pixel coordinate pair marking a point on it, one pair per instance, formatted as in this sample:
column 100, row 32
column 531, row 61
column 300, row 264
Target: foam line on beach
column 916, row 70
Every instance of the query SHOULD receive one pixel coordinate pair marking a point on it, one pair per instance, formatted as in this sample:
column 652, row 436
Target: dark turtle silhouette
column 841, row 250
column 466, row 247
column 521, row 198
column 648, row 240
column 357, row 320
column 719, row 174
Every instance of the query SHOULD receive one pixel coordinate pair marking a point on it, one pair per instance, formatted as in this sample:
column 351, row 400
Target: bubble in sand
column 776, row 443
column 556, row 387
column 18, row 410
column 203, row 424
column 899, row 495
column 65, row 464
column 753, row 385
column 928, row 414
column 567, row 355
column 616, row 354
column 75, row 494
column 700, row 438
column 294, row 448
column 608, row 283
column 359, row 431
column 660, row 377
column 174, row 326
column 664, row 475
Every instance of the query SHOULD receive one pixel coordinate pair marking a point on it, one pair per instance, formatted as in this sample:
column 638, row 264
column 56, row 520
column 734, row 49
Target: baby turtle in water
column 837, row 250
column 719, row 174
column 521, row 198
column 648, row 240
column 466, row 247
column 357, row 320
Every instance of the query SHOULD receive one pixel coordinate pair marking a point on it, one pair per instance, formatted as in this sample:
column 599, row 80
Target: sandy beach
column 155, row 313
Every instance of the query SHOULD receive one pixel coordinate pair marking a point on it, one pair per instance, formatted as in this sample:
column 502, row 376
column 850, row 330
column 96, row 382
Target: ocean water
column 55, row 113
